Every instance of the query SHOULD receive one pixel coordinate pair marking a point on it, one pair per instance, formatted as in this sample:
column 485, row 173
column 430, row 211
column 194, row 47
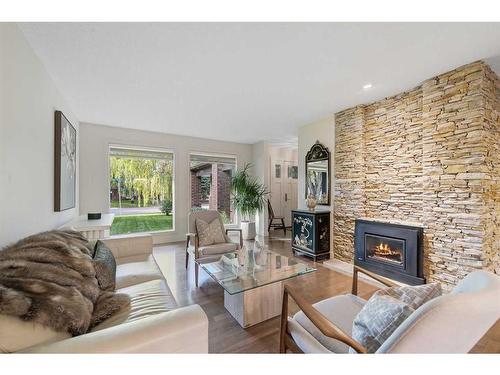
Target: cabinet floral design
column 302, row 231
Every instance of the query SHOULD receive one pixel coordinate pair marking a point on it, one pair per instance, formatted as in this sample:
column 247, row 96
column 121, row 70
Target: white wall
column 94, row 173
column 324, row 132
column 28, row 99
column 287, row 153
column 260, row 162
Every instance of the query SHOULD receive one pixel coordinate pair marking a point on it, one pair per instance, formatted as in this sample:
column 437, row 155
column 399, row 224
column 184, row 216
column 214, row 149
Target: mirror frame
column 319, row 152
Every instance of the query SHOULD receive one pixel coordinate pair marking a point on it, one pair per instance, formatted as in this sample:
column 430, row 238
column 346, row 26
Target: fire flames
column 384, row 250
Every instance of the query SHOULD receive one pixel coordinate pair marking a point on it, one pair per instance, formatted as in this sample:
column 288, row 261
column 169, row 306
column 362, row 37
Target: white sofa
column 152, row 324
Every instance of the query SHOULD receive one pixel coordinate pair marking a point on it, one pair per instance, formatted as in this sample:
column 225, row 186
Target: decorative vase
column 248, row 231
column 311, row 202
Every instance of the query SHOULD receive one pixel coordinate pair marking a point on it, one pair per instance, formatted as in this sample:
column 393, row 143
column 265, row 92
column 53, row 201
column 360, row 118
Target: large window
column 211, row 184
column 141, row 190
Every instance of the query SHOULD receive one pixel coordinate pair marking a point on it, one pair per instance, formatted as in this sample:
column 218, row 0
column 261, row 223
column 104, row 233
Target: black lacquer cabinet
column 311, row 233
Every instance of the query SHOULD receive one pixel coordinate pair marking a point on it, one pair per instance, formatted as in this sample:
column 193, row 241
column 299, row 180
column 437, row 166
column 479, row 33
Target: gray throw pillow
column 105, row 266
column 91, row 246
column 386, row 310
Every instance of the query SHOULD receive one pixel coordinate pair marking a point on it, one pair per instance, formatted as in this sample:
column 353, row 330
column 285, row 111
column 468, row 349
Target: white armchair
column 452, row 323
column 211, row 251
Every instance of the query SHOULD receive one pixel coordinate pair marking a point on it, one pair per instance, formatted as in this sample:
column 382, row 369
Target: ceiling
column 245, row 82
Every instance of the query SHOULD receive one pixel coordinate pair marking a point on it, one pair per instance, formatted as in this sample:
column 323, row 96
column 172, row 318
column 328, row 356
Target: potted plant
column 248, row 199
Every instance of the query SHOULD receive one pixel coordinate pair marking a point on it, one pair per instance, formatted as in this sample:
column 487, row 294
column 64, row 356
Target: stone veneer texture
column 427, row 157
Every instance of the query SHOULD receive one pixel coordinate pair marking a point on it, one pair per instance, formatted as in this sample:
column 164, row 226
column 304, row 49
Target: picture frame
column 317, row 175
column 64, row 163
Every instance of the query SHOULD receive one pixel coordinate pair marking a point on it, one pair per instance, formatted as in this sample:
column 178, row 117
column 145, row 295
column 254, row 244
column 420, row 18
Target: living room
column 250, row 188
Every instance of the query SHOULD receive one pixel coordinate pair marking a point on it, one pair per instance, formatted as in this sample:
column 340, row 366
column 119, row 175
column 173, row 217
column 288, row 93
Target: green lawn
column 141, row 223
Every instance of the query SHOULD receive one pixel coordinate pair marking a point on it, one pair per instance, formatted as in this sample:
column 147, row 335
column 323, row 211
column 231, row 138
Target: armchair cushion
column 340, row 310
column 210, row 233
column 452, row 323
column 386, row 310
column 220, row 248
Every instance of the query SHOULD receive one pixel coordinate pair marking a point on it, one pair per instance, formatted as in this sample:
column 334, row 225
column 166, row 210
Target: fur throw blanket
column 49, row 278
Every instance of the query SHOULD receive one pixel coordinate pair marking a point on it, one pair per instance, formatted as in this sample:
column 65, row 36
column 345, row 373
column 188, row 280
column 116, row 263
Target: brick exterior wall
column 430, row 157
column 224, row 191
column 213, row 198
column 195, row 190
column 220, row 189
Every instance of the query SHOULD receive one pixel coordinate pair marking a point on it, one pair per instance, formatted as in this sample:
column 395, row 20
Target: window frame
column 174, row 172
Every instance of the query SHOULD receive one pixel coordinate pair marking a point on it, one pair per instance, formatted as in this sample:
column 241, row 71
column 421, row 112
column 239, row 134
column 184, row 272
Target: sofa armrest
column 130, row 248
column 184, row 330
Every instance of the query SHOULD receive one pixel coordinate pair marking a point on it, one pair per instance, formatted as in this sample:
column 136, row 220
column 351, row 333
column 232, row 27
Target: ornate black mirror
column 318, row 173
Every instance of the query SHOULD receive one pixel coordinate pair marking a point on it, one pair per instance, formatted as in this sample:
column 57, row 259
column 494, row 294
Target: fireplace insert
column 390, row 250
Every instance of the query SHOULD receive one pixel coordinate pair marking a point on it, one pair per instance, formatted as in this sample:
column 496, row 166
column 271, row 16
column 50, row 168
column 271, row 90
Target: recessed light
column 367, row 86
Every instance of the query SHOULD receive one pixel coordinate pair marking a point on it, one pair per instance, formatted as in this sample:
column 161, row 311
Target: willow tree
column 150, row 180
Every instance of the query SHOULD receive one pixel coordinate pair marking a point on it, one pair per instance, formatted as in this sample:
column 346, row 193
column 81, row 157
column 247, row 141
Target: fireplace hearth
column 391, row 250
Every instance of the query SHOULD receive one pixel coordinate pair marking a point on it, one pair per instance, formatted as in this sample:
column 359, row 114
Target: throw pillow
column 209, row 233
column 105, row 266
column 91, row 246
column 386, row 310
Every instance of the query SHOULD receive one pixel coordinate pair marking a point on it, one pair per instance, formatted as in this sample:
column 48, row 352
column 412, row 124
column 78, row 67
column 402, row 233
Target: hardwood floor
column 226, row 335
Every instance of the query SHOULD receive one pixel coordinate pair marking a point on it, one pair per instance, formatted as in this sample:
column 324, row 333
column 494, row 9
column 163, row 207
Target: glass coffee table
column 252, row 279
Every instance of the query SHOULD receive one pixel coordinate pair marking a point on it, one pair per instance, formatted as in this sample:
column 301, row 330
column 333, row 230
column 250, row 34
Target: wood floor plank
column 226, row 335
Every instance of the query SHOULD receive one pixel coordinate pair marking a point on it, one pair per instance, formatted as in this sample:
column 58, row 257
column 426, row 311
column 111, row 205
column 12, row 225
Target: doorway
column 211, row 177
column 283, row 189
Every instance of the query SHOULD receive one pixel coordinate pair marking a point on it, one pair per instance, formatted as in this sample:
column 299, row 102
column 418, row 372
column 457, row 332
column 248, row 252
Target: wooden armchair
column 324, row 325
column 211, row 251
column 451, row 323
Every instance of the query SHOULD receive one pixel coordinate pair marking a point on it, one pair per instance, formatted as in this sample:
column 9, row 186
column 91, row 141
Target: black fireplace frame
column 412, row 270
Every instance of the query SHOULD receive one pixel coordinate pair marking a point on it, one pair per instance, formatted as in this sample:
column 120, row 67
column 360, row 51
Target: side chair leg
column 187, row 252
column 196, row 274
column 283, row 223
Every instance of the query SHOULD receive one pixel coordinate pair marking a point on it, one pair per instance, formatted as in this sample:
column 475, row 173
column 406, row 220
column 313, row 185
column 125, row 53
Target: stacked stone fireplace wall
column 427, row 157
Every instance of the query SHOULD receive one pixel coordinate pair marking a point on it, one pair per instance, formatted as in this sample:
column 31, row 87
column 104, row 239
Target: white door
column 283, row 195
column 276, row 193
column 290, row 176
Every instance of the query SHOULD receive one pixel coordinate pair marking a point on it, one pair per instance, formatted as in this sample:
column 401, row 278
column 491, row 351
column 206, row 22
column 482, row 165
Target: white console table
column 92, row 229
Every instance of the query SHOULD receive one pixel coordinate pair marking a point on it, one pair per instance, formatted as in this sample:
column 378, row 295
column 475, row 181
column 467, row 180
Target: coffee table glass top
column 250, row 268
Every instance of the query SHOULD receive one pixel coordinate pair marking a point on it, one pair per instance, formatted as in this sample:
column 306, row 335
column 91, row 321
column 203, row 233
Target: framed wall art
column 65, row 164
